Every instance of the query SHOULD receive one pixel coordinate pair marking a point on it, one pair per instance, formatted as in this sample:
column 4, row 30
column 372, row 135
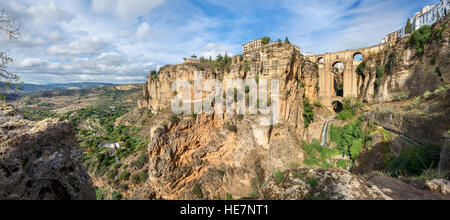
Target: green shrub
column 116, row 195
column 416, row 101
column 101, row 193
column 427, row 94
column 265, row 40
column 197, row 191
column 143, row 175
column 141, row 161
column 419, row 38
column 379, row 75
column 413, row 161
column 344, row 115
column 318, row 155
column 278, row 177
column 350, row 139
column 135, row 179
column 360, row 69
column 400, row 96
column 125, row 176
column 229, row 196
column 312, row 182
column 308, row 112
column 174, row 119
column 318, row 104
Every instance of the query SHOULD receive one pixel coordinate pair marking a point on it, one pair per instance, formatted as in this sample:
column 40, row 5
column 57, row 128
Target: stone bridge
column 327, row 63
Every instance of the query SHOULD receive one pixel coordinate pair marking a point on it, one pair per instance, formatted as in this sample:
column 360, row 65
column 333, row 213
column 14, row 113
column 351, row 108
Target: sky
column 119, row 41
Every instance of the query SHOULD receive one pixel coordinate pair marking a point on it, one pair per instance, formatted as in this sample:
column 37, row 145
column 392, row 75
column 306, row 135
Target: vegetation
column 101, row 193
column 350, row 108
column 265, row 40
column 286, row 41
column 135, row 179
column 308, row 112
column 278, row 177
column 116, row 195
column 125, row 176
column 143, row 175
column 379, row 75
column 350, row 139
column 408, row 27
column 197, row 191
column 419, row 38
column 414, row 161
column 8, row 80
column 318, row 155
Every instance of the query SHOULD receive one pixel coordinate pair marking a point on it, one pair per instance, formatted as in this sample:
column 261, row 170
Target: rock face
column 442, row 186
column 407, row 74
column 312, row 184
column 40, row 160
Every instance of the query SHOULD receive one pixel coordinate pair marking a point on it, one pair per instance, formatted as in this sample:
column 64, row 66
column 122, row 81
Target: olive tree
column 12, row 31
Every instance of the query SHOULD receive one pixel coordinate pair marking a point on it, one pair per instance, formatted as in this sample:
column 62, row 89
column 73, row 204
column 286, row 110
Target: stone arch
column 358, row 56
column 321, row 60
column 338, row 69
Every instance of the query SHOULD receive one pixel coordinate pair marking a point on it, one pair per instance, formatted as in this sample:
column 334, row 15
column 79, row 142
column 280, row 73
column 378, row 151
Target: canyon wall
column 40, row 160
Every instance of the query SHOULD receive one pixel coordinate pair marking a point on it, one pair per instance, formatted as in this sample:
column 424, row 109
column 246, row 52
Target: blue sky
column 121, row 41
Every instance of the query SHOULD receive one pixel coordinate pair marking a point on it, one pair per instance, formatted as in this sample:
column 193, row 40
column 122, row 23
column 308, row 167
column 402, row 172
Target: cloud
column 127, row 8
column 120, row 41
column 85, row 46
column 143, row 31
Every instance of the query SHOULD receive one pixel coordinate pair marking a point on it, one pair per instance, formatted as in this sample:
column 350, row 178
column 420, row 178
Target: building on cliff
column 428, row 15
column 252, row 45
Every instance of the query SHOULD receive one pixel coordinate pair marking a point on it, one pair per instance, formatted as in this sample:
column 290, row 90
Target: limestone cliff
column 405, row 73
column 222, row 154
column 40, row 160
column 416, row 86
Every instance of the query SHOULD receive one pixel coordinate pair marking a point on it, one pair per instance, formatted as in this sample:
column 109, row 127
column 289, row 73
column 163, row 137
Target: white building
column 428, row 15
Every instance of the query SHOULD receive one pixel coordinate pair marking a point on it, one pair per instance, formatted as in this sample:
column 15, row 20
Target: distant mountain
column 30, row 88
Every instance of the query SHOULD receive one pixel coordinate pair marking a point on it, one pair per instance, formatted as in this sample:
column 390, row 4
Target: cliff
column 415, row 83
column 40, row 160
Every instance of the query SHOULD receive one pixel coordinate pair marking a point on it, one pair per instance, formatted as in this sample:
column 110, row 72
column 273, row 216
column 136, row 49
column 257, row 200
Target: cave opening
column 337, row 106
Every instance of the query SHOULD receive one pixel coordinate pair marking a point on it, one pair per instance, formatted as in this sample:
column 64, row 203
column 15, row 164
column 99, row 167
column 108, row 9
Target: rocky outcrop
column 442, row 186
column 319, row 184
column 406, row 73
column 40, row 160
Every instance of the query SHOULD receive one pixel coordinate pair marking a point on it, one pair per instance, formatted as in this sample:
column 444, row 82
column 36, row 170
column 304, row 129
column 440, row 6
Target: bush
column 229, row 196
column 278, row 177
column 350, row 139
column 116, row 196
column 308, row 112
column 265, row 40
column 380, row 75
column 174, row 119
column 344, row 115
column 416, row 101
column 427, row 94
column 419, row 38
column 141, row 161
column 413, row 161
column 101, row 193
column 135, row 179
column 143, row 175
column 360, row 69
column 312, row 182
column 197, row 191
column 318, row 155
column 125, row 176
column 318, row 104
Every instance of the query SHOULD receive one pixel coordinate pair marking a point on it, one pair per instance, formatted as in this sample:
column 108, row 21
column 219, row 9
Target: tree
column 408, row 27
column 11, row 29
column 265, row 40
column 286, row 41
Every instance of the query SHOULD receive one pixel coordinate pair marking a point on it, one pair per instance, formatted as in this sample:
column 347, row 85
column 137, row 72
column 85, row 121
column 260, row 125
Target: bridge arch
column 358, row 56
column 321, row 60
column 337, row 106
